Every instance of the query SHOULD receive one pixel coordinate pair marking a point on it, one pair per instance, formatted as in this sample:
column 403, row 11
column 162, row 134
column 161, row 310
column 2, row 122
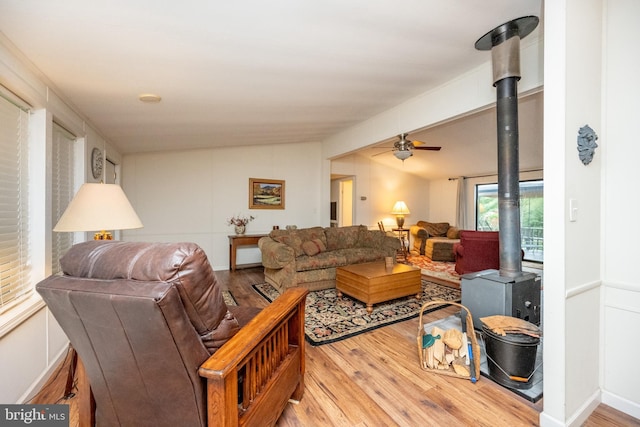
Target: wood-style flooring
column 374, row 380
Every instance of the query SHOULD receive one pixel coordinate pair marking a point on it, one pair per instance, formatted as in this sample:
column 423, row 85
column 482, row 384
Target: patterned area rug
column 329, row 318
column 443, row 273
column 228, row 298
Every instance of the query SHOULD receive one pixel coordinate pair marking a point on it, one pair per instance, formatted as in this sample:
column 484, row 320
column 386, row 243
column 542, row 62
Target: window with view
column 62, row 178
column 14, row 236
column 531, row 215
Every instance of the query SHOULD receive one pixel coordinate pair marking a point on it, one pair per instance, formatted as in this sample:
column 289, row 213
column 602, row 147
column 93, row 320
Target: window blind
column 62, row 190
column 14, row 216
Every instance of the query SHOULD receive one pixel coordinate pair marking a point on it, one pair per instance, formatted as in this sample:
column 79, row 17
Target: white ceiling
column 251, row 72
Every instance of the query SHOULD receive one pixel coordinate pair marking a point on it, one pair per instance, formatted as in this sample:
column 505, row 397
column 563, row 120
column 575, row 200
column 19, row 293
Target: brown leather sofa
column 160, row 346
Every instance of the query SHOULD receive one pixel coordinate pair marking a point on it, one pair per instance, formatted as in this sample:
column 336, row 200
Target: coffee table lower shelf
column 373, row 282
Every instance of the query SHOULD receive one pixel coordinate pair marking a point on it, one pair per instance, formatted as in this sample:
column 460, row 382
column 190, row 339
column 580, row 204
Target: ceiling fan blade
column 426, row 147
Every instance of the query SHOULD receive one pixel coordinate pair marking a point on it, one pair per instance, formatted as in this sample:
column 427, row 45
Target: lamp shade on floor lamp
column 99, row 207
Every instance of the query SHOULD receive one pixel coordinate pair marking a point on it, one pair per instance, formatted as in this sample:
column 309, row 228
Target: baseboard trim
column 580, row 416
column 44, row 377
column 621, row 404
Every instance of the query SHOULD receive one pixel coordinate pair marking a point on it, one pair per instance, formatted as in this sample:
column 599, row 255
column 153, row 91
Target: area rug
column 532, row 394
column 329, row 318
column 440, row 272
column 229, row 298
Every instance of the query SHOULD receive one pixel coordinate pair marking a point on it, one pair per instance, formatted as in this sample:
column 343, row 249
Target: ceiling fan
column 403, row 148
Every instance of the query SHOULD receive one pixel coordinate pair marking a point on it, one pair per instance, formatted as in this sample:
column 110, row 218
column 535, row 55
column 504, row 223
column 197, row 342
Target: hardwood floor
column 374, row 380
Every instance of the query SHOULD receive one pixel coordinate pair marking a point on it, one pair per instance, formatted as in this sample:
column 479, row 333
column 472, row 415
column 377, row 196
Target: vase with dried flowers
column 240, row 222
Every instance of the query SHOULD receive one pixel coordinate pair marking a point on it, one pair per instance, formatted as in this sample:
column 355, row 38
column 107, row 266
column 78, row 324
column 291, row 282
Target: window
column 531, row 215
column 62, row 190
column 14, row 223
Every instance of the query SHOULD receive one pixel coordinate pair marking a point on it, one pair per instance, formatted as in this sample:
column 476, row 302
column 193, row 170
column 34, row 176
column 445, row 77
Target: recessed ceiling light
column 150, row 98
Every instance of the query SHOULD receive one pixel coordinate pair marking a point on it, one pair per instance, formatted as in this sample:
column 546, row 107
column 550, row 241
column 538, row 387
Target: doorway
column 346, row 203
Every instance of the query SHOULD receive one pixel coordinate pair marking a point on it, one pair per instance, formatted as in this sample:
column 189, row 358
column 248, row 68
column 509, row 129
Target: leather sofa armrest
column 275, row 255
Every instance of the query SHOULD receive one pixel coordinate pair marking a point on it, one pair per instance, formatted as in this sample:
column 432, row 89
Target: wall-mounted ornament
column 97, row 163
column 586, row 144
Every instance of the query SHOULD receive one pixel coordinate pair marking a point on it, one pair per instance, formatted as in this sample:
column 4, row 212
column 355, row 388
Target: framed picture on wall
column 266, row 193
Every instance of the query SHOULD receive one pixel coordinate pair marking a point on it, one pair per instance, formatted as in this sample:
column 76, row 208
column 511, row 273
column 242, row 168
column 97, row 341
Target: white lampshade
column 98, row 207
column 400, row 208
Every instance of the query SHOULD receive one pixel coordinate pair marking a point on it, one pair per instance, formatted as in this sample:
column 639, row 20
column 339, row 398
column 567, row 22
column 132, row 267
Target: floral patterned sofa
column 308, row 257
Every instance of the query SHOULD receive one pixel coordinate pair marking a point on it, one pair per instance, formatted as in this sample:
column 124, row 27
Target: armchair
column 477, row 251
column 434, row 240
column 159, row 345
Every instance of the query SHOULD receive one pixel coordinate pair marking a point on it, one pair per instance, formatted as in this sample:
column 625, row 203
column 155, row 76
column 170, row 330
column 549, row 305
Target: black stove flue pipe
column 504, row 43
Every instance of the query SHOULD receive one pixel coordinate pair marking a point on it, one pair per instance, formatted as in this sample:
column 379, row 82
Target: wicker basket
column 470, row 337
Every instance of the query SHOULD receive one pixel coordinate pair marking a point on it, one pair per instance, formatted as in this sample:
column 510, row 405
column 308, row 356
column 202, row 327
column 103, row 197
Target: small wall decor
column 586, row 144
column 97, row 163
column 266, row 193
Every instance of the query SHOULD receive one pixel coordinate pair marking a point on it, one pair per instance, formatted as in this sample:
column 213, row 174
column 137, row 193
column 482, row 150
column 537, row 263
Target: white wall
column 381, row 187
column 443, row 194
column 189, row 195
column 619, row 152
column 591, row 288
column 572, row 249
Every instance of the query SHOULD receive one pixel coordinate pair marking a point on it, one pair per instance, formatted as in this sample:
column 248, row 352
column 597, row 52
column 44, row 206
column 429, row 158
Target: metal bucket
column 511, row 359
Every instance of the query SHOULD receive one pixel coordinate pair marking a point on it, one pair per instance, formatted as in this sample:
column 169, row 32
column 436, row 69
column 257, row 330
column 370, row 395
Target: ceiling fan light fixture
column 403, row 154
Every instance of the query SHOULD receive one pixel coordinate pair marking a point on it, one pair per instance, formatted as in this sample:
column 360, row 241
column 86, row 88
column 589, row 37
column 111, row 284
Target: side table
column 404, row 244
column 237, row 240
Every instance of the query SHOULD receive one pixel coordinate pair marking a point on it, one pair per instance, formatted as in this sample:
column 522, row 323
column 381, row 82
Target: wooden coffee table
column 373, row 282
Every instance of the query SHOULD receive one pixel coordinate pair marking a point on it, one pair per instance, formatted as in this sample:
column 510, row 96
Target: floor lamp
column 95, row 207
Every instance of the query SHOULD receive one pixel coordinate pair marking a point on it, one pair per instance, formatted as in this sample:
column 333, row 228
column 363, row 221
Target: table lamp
column 400, row 209
column 99, row 207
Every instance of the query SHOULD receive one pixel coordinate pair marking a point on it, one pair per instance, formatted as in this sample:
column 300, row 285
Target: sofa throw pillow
column 289, row 238
column 453, row 233
column 342, row 237
column 313, row 247
column 371, row 238
column 312, row 233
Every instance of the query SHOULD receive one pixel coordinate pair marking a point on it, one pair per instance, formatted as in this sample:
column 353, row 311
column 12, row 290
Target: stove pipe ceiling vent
column 504, row 43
